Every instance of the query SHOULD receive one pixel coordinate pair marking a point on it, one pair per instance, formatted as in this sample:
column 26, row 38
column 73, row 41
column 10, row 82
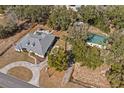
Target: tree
column 116, row 53
column 58, row 59
column 116, row 75
column 34, row 13
column 8, row 30
column 79, row 50
column 3, row 8
column 78, row 31
column 88, row 13
column 93, row 16
column 103, row 16
column 115, row 15
column 1, row 11
column 93, row 58
column 61, row 18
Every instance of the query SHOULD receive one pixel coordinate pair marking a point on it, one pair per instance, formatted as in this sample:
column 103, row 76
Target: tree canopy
column 58, row 59
column 103, row 16
column 61, row 18
column 95, row 17
column 115, row 74
column 7, row 30
column 34, row 13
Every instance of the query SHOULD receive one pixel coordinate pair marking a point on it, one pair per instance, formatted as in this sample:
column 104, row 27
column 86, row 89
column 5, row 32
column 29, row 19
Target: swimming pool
column 97, row 39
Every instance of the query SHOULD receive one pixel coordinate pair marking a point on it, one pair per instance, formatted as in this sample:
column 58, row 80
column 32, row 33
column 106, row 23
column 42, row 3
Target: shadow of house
column 52, row 45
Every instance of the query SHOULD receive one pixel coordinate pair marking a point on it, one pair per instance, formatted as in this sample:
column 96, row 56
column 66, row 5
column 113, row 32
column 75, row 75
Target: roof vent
column 33, row 44
column 28, row 43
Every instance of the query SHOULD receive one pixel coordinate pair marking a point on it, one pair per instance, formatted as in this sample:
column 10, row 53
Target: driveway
column 35, row 68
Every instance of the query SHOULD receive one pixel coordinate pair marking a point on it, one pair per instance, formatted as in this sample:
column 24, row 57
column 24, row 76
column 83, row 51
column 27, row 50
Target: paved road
column 7, row 81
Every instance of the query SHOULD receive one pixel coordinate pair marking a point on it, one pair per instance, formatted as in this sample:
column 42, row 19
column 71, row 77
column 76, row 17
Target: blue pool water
column 97, row 39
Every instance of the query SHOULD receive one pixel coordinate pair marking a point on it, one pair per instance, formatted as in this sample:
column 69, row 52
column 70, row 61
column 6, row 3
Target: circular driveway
column 35, row 68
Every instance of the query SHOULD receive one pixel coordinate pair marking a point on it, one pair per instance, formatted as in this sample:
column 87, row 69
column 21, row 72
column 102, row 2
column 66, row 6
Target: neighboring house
column 73, row 7
column 37, row 42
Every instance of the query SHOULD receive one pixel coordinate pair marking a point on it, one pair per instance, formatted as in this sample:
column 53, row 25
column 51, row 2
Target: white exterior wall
column 39, row 55
column 29, row 51
column 19, row 50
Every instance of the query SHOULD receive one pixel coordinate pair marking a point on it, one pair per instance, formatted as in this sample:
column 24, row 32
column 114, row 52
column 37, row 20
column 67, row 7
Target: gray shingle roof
column 37, row 42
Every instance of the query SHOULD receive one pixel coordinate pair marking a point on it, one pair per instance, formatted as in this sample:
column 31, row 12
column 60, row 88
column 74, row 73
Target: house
column 37, row 42
column 73, row 7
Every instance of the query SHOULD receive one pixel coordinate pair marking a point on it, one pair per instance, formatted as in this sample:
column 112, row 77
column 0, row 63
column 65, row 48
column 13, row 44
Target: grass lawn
column 21, row 73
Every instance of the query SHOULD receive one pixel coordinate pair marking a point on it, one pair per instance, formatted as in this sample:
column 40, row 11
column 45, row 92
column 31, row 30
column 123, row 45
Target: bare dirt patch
column 51, row 79
column 21, row 73
column 72, row 85
column 94, row 77
column 96, row 31
column 12, row 56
